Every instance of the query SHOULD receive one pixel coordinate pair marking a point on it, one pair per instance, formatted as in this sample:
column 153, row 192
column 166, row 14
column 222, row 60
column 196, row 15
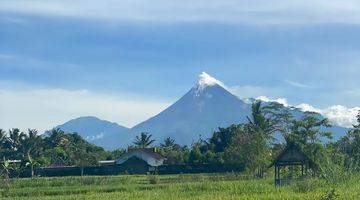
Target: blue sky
column 125, row 62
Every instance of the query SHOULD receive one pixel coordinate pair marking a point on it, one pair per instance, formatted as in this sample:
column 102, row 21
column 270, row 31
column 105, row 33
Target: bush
column 307, row 185
column 153, row 179
column 330, row 195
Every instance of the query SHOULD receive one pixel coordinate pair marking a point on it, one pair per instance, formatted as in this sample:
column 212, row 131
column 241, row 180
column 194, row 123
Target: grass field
column 195, row 186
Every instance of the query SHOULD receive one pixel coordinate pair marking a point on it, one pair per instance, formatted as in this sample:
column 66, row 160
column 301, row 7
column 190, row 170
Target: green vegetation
column 144, row 140
column 57, row 149
column 195, row 186
column 251, row 145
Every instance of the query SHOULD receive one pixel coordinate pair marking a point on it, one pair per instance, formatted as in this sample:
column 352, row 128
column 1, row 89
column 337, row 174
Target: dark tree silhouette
column 143, row 140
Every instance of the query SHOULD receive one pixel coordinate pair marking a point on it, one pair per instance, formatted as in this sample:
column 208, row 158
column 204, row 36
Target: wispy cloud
column 297, row 84
column 33, row 63
column 231, row 11
column 250, row 91
column 6, row 56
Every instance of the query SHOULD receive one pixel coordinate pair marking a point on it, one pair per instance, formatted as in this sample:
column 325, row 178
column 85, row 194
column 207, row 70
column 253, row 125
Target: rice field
column 189, row 186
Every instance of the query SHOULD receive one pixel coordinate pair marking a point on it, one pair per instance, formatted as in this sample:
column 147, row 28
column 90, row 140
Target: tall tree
column 31, row 149
column 169, row 144
column 261, row 127
column 309, row 134
column 308, row 130
column 143, row 140
column 262, row 121
column 14, row 141
column 350, row 146
column 174, row 153
column 222, row 138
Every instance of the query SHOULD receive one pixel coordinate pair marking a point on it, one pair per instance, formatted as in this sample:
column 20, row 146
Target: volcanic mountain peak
column 205, row 80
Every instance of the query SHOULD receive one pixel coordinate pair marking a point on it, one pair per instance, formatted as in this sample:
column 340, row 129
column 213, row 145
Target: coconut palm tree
column 30, row 149
column 15, row 139
column 262, row 129
column 260, row 124
column 143, row 140
column 168, row 143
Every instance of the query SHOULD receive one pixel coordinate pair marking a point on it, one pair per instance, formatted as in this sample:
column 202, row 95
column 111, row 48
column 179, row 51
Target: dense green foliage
column 250, row 144
column 144, row 140
column 56, row 149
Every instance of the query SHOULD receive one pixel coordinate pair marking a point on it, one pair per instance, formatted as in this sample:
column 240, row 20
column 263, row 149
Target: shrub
column 307, row 185
column 153, row 179
column 330, row 195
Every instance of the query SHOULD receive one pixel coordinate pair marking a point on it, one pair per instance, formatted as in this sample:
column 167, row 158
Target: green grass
column 195, row 186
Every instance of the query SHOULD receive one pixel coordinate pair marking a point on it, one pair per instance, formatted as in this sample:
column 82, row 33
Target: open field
column 199, row 186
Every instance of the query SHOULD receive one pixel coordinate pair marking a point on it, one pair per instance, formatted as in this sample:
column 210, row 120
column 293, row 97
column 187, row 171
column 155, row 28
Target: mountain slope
column 99, row 132
column 201, row 111
column 207, row 106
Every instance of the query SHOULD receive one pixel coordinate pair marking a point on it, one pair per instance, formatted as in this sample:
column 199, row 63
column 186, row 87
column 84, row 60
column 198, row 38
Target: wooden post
column 275, row 174
column 279, row 174
column 302, row 169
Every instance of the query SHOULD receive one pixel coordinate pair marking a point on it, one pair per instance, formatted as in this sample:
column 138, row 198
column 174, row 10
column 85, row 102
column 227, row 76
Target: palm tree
column 169, row 144
column 258, row 123
column 30, row 149
column 15, row 139
column 144, row 140
column 262, row 128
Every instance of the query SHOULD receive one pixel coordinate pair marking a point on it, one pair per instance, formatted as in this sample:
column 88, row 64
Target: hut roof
column 149, row 155
column 293, row 155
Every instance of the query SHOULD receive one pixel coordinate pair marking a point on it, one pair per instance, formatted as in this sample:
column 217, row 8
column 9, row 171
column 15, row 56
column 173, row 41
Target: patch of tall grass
column 182, row 186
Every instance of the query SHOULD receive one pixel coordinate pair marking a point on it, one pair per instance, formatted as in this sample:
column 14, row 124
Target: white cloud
column 307, row 108
column 282, row 101
column 342, row 115
column 231, row 11
column 249, row 91
column 45, row 108
column 337, row 114
column 297, row 84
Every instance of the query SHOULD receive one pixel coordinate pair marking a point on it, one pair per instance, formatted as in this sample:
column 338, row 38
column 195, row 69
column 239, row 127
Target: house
column 11, row 161
column 136, row 161
column 106, row 162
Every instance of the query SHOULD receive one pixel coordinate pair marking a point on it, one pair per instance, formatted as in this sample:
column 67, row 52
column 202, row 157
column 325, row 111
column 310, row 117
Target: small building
column 291, row 157
column 106, row 162
column 140, row 160
column 11, row 161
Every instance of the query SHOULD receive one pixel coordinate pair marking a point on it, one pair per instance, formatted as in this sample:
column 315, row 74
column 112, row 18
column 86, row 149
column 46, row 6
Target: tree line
column 250, row 144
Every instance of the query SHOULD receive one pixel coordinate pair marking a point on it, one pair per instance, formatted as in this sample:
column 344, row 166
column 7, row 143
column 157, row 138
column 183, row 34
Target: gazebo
column 291, row 156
